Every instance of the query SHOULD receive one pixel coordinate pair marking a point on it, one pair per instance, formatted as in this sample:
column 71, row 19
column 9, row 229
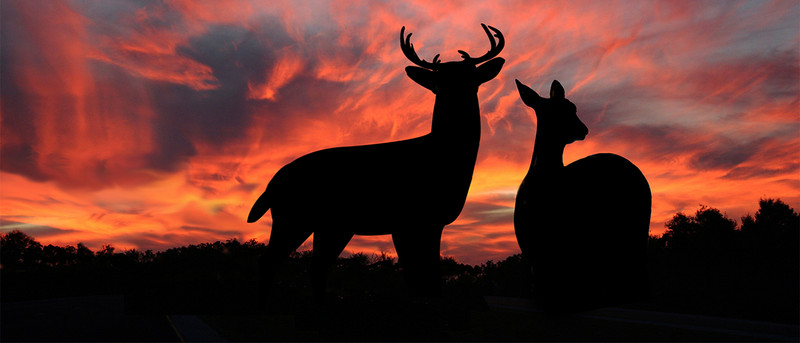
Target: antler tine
column 495, row 49
column 408, row 50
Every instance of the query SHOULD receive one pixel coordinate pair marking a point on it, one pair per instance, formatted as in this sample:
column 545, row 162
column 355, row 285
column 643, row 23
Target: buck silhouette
column 584, row 226
column 410, row 189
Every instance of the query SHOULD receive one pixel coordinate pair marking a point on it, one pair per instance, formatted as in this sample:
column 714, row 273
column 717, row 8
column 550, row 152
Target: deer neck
column 456, row 117
column 547, row 155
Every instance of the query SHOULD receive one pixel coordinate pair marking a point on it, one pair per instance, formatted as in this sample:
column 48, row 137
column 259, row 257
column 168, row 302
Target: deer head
column 556, row 117
column 454, row 76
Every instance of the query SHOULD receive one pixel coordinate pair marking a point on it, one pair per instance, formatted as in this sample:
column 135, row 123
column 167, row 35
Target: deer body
column 410, row 189
column 382, row 188
column 584, row 226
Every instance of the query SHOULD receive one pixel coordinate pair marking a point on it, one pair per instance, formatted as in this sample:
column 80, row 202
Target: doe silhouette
column 584, row 226
column 410, row 189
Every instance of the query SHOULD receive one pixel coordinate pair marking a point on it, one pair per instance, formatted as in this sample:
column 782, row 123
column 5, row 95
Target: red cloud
column 157, row 125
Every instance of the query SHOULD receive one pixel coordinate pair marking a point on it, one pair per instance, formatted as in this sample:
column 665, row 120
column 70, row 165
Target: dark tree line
column 770, row 238
column 707, row 263
column 773, row 230
column 704, row 263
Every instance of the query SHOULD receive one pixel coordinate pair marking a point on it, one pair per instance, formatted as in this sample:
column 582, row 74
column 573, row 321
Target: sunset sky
column 150, row 124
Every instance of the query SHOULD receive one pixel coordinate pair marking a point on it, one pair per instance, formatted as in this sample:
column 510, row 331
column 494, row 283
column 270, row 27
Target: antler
column 493, row 51
column 408, row 50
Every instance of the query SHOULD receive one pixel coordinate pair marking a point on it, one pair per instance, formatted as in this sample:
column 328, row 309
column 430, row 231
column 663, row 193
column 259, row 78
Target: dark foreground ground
column 488, row 319
column 212, row 298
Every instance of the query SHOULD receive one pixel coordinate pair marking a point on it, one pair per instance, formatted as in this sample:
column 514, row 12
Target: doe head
column 556, row 117
column 455, row 76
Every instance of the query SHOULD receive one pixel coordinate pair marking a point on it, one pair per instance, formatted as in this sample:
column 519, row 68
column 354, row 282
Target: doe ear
column 557, row 90
column 422, row 76
column 490, row 69
column 528, row 95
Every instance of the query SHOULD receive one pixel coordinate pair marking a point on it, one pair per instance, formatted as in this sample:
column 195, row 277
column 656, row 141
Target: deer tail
column 261, row 206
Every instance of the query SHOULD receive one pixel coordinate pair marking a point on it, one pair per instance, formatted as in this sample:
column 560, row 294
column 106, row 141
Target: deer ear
column 423, row 77
column 528, row 95
column 556, row 90
column 490, row 69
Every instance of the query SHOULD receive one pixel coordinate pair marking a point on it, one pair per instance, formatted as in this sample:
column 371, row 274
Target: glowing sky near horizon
column 149, row 125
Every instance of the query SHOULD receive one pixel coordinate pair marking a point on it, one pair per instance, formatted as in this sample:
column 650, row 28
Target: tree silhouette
column 708, row 231
column 19, row 249
column 774, row 229
column 704, row 264
column 772, row 246
column 56, row 256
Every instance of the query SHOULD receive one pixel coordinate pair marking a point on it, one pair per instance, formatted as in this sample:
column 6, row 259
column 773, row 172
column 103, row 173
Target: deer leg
column 327, row 247
column 282, row 242
column 418, row 255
